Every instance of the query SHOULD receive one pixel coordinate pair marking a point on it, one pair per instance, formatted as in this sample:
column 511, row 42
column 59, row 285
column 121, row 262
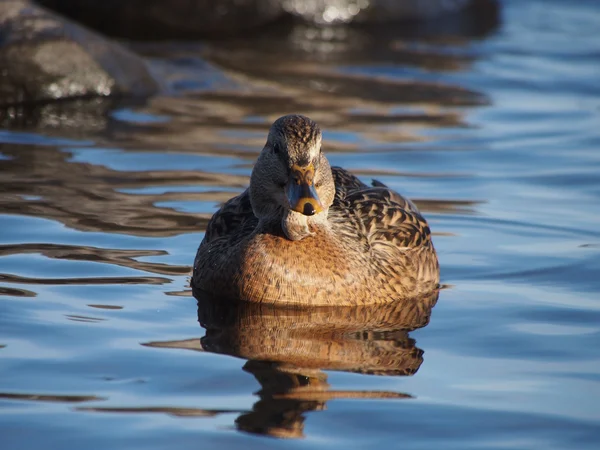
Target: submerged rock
column 45, row 57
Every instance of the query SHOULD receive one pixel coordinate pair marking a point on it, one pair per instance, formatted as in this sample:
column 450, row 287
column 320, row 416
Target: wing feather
column 377, row 213
column 234, row 216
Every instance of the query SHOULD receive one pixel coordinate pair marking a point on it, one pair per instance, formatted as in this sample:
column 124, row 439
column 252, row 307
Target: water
column 494, row 131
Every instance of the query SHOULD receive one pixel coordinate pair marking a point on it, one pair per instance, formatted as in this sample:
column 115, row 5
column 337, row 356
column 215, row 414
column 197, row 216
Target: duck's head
column 292, row 179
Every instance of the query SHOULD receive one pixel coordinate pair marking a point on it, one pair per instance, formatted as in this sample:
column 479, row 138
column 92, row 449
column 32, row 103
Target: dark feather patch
column 236, row 214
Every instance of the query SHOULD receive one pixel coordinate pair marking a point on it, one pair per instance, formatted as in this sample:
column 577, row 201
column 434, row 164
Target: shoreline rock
column 45, row 57
column 193, row 19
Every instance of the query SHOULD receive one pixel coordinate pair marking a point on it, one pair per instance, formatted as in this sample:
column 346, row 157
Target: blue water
column 496, row 136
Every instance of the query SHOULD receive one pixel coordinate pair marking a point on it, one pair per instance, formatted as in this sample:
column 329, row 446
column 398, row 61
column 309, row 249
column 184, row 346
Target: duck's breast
column 277, row 269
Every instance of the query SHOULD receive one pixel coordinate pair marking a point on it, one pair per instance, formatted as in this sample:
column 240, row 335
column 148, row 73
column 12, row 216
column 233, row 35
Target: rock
column 45, row 57
column 370, row 11
column 161, row 19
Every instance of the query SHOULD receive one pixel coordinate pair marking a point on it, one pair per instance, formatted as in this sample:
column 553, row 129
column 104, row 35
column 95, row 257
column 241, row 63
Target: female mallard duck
column 308, row 233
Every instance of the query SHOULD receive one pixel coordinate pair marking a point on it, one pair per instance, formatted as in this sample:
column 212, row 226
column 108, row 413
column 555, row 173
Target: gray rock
column 159, row 19
column 164, row 19
column 45, row 57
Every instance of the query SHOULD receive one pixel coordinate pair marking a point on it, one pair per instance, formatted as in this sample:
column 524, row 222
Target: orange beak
column 301, row 192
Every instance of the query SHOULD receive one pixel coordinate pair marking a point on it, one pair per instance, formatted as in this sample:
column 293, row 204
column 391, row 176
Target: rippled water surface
column 493, row 128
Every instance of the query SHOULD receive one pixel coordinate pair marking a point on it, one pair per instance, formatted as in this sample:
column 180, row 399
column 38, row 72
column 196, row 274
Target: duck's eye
column 276, row 148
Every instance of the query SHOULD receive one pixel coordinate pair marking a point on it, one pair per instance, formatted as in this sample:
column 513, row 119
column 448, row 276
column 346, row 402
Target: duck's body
column 360, row 245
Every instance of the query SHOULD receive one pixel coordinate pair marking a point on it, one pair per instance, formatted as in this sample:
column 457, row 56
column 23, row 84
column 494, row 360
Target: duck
column 306, row 233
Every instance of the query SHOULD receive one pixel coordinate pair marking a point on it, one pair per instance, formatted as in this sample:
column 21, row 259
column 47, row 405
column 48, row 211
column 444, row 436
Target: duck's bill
column 301, row 192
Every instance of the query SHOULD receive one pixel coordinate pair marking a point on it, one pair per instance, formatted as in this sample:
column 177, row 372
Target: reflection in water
column 184, row 344
column 51, row 398
column 172, row 411
column 123, row 258
column 16, row 292
column 105, row 306
column 376, row 83
column 84, row 115
column 85, row 319
column 9, row 278
column 287, row 393
column 86, row 196
column 288, row 349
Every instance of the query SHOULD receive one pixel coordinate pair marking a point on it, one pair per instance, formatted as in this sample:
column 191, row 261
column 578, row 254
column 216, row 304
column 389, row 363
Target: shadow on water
column 288, row 350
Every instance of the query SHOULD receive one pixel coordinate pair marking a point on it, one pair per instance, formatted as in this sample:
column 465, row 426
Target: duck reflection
column 289, row 348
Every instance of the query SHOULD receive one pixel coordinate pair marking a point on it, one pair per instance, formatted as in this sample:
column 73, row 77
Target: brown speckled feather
column 376, row 213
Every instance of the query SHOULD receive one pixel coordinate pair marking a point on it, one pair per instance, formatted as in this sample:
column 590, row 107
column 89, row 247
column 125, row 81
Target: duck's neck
column 294, row 225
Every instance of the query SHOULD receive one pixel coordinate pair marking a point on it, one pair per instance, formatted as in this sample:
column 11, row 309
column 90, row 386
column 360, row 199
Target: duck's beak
column 301, row 192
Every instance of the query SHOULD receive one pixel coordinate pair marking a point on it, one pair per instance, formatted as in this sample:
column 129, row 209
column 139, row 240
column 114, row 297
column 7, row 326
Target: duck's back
column 391, row 229
column 353, row 198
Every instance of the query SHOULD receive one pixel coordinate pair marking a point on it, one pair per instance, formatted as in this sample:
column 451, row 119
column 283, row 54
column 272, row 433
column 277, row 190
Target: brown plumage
column 306, row 233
